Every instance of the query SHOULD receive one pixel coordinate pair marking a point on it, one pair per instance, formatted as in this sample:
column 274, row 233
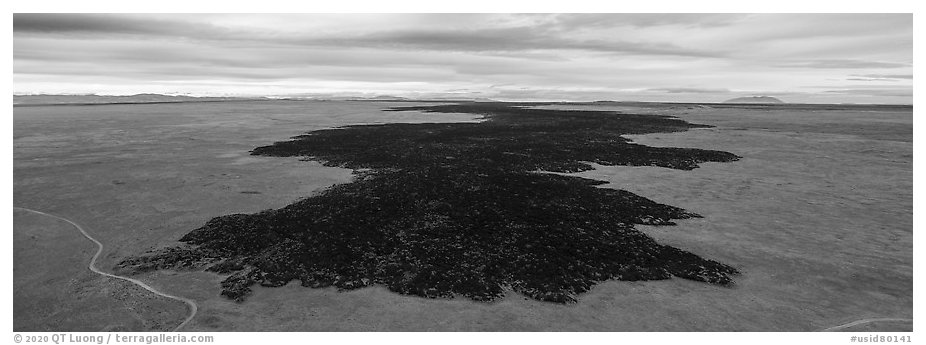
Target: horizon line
column 405, row 98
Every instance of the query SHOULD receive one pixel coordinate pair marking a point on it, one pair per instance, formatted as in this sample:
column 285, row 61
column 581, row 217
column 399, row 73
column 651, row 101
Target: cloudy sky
column 814, row 58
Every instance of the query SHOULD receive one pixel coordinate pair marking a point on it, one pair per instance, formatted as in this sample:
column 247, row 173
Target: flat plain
column 817, row 216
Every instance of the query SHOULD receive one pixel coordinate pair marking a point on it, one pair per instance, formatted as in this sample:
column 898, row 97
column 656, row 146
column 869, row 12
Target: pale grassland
column 817, row 216
column 53, row 290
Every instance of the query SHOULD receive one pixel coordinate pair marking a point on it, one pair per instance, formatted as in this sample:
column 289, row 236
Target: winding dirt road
column 862, row 322
column 194, row 308
column 99, row 250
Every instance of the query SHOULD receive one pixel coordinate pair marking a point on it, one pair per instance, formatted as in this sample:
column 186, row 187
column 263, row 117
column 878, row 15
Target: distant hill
column 361, row 98
column 98, row 99
column 387, row 98
column 754, row 99
column 42, row 99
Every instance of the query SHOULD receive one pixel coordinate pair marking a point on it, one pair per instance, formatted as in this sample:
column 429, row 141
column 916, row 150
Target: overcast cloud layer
column 815, row 58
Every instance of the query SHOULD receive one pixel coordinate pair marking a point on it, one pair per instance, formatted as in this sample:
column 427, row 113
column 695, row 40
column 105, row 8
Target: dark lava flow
column 444, row 209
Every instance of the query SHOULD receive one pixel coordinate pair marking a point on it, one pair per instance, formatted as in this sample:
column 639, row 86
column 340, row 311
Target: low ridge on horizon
column 151, row 97
column 754, row 99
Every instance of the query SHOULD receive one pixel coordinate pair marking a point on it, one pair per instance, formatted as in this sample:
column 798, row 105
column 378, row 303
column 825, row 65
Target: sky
column 800, row 58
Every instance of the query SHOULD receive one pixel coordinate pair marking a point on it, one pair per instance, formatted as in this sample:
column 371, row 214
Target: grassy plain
column 817, row 216
column 53, row 290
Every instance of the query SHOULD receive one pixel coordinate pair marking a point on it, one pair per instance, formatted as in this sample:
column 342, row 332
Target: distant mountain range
column 366, row 97
column 754, row 99
column 159, row 98
column 98, row 99
column 43, row 99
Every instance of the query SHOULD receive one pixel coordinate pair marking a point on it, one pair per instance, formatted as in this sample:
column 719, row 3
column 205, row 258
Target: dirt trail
column 92, row 267
column 862, row 322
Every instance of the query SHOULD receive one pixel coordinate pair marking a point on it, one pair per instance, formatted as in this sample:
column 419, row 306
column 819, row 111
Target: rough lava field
column 439, row 210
